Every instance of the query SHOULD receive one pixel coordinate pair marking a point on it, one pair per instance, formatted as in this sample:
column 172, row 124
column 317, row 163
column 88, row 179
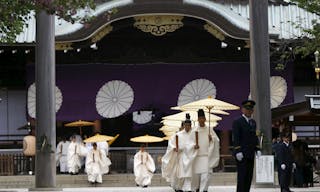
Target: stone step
column 110, row 180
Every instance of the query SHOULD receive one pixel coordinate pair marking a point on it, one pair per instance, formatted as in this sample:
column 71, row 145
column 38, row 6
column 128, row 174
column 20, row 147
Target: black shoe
column 145, row 186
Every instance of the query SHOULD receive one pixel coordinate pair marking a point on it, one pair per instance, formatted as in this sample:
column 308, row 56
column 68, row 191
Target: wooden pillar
column 97, row 127
column 225, row 142
column 45, row 170
column 260, row 68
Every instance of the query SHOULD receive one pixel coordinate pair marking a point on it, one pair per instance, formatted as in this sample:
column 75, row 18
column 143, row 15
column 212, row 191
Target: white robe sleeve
column 83, row 151
column 58, row 154
column 169, row 160
column 136, row 163
column 150, row 163
column 104, row 162
column 89, row 161
column 214, row 150
column 188, row 155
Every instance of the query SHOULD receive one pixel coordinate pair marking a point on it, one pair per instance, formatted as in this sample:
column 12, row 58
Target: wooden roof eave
column 290, row 109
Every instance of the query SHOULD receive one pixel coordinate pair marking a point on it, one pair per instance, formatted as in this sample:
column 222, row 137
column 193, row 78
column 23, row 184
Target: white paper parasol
column 214, row 111
column 169, row 133
column 166, row 128
column 196, row 90
column 142, row 117
column 32, row 100
column 114, row 98
column 210, row 104
column 193, row 116
column 174, row 123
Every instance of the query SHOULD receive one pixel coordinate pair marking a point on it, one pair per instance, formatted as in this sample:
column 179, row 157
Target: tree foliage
column 310, row 5
column 304, row 46
column 310, row 41
column 14, row 14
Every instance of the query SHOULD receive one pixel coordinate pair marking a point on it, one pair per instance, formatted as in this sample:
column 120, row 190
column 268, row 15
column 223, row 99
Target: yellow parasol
column 193, row 116
column 114, row 138
column 167, row 137
column 214, row 111
column 146, row 139
column 79, row 124
column 98, row 138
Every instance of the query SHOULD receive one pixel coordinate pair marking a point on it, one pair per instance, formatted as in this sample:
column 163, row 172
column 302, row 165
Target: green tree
column 15, row 13
column 305, row 47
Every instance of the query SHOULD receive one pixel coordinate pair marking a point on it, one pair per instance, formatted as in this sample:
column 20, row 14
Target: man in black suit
column 285, row 162
column 246, row 144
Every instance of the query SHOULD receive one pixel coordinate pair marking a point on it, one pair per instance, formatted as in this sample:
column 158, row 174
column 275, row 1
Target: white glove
column 258, row 153
column 283, row 166
column 294, row 166
column 239, row 156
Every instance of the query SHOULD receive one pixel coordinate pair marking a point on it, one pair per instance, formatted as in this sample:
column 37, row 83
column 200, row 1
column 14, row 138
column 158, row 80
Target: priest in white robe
column 169, row 164
column 97, row 164
column 177, row 163
column 208, row 155
column 143, row 167
column 73, row 157
column 62, row 153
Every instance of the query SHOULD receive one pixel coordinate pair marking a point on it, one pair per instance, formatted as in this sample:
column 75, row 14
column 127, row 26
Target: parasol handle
column 177, row 142
column 197, row 138
column 209, row 108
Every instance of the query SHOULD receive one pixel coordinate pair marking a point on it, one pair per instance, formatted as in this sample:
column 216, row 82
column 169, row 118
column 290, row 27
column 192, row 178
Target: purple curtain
column 156, row 85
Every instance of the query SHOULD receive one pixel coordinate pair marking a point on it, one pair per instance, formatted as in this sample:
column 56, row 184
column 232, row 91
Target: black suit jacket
column 245, row 139
column 284, row 155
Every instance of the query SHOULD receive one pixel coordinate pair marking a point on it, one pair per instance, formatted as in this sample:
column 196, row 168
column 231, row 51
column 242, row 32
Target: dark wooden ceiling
column 128, row 45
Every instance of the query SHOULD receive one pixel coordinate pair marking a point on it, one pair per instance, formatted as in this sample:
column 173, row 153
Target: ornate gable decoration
column 214, row 31
column 101, row 33
column 63, row 46
column 158, row 25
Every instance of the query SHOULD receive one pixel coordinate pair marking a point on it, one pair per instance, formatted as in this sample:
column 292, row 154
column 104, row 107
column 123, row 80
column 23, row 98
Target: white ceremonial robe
column 103, row 146
column 177, row 166
column 62, row 153
column 74, row 163
column 97, row 164
column 170, row 165
column 143, row 168
column 207, row 158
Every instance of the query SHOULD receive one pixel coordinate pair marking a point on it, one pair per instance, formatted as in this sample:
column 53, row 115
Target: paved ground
column 166, row 189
